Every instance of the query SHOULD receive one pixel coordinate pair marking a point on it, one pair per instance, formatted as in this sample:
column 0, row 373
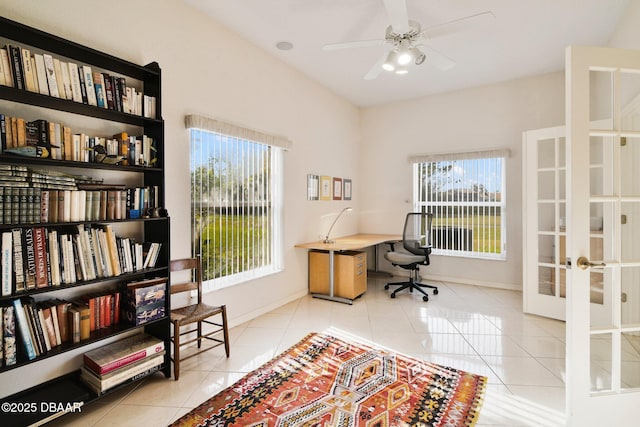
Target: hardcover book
column 122, row 353
column 23, row 327
column 134, row 371
column 9, row 335
column 7, row 261
column 41, row 73
column 51, row 75
column 42, row 279
column 15, row 60
column 18, row 264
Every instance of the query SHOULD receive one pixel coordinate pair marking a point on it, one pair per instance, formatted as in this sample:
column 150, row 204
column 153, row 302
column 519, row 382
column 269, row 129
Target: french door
column 603, row 199
column 545, row 219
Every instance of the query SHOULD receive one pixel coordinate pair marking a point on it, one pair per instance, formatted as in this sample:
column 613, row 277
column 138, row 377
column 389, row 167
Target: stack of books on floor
column 122, row 362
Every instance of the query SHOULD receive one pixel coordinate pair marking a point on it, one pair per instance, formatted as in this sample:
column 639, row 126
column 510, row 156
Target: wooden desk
column 348, row 243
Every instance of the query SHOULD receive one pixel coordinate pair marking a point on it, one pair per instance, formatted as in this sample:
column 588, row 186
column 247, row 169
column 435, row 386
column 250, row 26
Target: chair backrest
column 416, row 237
column 195, row 282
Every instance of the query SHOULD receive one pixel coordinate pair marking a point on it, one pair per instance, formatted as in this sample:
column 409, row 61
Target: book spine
column 30, row 259
column 6, row 65
column 7, row 271
column 85, row 325
column 29, row 77
column 63, row 320
column 41, row 258
column 23, row 327
column 99, row 386
column 15, row 58
column 119, row 363
column 18, row 262
column 51, row 75
column 41, row 73
column 9, row 335
column 88, row 82
column 44, row 205
column 74, row 324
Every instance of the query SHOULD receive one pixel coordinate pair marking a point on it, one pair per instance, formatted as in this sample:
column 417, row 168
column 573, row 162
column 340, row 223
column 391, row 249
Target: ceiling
column 526, row 37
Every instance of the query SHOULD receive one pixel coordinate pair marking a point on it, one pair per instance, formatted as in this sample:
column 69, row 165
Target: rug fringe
column 478, row 401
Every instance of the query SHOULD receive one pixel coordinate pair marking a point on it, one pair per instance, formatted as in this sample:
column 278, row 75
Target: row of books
column 49, row 75
column 23, row 176
column 28, row 205
column 122, row 361
column 45, row 325
column 47, row 139
column 34, row 258
column 38, row 327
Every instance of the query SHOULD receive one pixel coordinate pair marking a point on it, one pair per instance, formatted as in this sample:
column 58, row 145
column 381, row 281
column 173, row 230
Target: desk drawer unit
column 350, row 273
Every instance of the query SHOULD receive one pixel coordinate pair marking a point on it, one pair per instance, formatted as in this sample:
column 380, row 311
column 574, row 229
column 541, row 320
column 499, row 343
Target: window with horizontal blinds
column 465, row 193
column 236, row 201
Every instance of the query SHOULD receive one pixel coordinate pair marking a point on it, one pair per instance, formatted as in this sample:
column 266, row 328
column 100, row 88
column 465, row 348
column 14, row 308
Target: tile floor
column 480, row 330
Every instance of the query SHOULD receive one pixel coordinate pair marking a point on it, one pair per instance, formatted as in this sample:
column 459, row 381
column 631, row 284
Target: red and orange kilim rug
column 325, row 381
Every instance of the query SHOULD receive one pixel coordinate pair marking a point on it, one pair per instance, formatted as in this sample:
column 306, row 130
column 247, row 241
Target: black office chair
column 416, row 239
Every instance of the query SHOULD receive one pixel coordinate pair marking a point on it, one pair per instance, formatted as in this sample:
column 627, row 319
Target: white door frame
column 615, row 407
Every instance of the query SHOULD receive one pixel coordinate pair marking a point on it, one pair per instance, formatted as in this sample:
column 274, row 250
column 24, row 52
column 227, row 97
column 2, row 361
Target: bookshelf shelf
column 46, row 101
column 96, row 336
column 147, row 272
column 146, row 80
column 72, row 223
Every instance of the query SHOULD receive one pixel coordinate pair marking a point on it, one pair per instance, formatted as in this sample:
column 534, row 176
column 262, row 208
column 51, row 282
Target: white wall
column 206, row 69
column 485, row 117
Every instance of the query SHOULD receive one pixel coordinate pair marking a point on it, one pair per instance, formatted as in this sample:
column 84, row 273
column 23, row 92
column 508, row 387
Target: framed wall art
column 325, row 187
column 313, row 186
column 346, row 189
column 337, row 188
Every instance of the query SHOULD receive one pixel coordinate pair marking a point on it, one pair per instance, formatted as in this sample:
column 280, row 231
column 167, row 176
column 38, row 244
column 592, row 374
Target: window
column 236, row 201
column 465, row 194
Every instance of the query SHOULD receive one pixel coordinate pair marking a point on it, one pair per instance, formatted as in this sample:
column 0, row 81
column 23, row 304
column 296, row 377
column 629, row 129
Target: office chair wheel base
column 425, row 298
column 386, row 287
column 393, row 295
column 435, row 292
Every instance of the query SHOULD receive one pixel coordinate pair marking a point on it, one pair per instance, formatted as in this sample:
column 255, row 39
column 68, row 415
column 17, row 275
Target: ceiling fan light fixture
column 404, row 56
column 401, row 71
column 418, row 55
column 392, row 59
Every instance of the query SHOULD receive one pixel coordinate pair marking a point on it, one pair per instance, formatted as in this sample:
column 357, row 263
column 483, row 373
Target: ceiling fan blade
column 376, row 69
column 349, row 45
column 397, row 11
column 457, row 25
column 437, row 58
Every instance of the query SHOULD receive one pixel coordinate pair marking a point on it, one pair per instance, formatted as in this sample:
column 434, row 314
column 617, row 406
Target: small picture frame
column 346, row 189
column 313, row 186
column 325, row 187
column 337, row 188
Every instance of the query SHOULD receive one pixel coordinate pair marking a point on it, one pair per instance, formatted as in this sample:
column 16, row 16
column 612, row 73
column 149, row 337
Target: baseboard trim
column 473, row 282
column 265, row 309
column 464, row 281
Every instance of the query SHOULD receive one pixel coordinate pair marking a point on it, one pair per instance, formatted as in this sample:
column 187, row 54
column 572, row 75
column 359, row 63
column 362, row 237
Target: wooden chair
column 195, row 313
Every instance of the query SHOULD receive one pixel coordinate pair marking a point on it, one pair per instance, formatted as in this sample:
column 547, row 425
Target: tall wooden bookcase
column 100, row 121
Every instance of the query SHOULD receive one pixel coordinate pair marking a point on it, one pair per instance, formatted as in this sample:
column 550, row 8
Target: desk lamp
column 326, row 239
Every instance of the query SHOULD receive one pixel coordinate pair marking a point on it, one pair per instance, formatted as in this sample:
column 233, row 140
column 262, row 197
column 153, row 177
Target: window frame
column 277, row 146
column 451, row 159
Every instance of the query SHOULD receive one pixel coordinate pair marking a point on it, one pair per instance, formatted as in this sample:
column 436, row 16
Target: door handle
column 584, row 263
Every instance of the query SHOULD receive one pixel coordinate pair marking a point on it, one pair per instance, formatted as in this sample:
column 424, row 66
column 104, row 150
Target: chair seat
column 194, row 313
column 401, row 258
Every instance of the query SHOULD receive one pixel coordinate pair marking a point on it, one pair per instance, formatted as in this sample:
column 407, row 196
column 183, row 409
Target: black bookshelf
column 69, row 388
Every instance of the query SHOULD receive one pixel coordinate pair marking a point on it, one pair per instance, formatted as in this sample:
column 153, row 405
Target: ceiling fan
column 408, row 40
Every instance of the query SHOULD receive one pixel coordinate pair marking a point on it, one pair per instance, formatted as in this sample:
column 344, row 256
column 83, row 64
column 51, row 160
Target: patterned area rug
column 324, row 381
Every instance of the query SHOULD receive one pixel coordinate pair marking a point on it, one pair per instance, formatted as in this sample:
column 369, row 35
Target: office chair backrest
column 417, row 232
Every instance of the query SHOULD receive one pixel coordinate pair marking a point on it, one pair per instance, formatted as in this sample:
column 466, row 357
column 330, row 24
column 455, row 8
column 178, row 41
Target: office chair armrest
column 392, row 244
column 426, row 249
